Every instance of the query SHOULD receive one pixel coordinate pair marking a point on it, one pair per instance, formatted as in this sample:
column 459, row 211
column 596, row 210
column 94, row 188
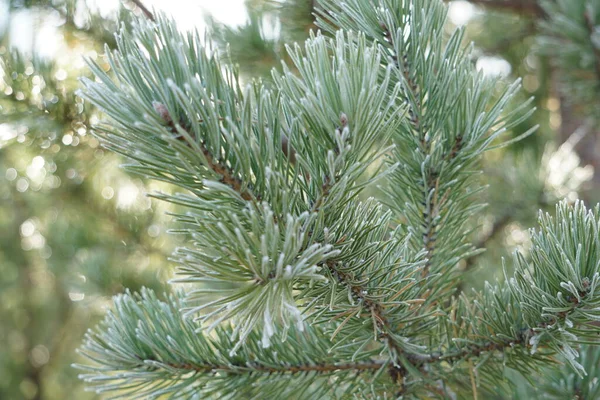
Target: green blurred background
column 75, row 229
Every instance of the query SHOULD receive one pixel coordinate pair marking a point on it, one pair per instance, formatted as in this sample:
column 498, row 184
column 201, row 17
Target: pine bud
column 343, row 120
column 162, row 111
column 287, row 149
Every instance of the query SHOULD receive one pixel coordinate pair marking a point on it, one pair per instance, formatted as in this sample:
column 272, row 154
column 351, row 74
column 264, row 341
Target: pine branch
column 377, row 314
column 512, row 317
column 251, row 368
column 329, row 184
column 427, row 189
column 128, row 350
column 431, row 207
column 227, row 176
column 273, row 247
column 431, row 184
column 561, row 302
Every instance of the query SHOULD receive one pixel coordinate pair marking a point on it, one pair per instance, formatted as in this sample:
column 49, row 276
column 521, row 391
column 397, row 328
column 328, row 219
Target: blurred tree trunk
column 31, row 372
column 587, row 148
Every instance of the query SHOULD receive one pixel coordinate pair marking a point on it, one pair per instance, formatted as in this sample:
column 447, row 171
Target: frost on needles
column 294, row 286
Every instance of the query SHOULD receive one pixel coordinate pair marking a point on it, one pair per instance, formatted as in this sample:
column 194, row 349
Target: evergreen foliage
column 295, row 287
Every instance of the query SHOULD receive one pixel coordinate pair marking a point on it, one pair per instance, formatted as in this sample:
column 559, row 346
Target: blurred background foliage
column 75, row 230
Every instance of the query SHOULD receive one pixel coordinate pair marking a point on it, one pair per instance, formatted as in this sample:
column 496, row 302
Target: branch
column 376, row 309
column 496, row 228
column 358, row 291
column 462, row 355
column 270, row 369
column 128, row 354
column 522, row 336
column 144, row 9
column 476, row 350
column 377, row 314
column 359, row 294
column 431, row 207
column 227, row 175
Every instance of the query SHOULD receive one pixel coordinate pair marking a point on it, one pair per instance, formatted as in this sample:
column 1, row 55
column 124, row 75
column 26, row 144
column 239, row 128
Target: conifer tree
column 292, row 285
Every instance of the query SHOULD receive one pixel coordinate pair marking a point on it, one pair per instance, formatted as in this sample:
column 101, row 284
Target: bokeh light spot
column 27, row 228
column 108, row 192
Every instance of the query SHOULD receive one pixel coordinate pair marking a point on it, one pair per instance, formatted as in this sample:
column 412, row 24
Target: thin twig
column 376, row 311
column 144, row 9
column 496, row 228
column 372, row 365
column 472, row 377
column 227, row 175
column 522, row 339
